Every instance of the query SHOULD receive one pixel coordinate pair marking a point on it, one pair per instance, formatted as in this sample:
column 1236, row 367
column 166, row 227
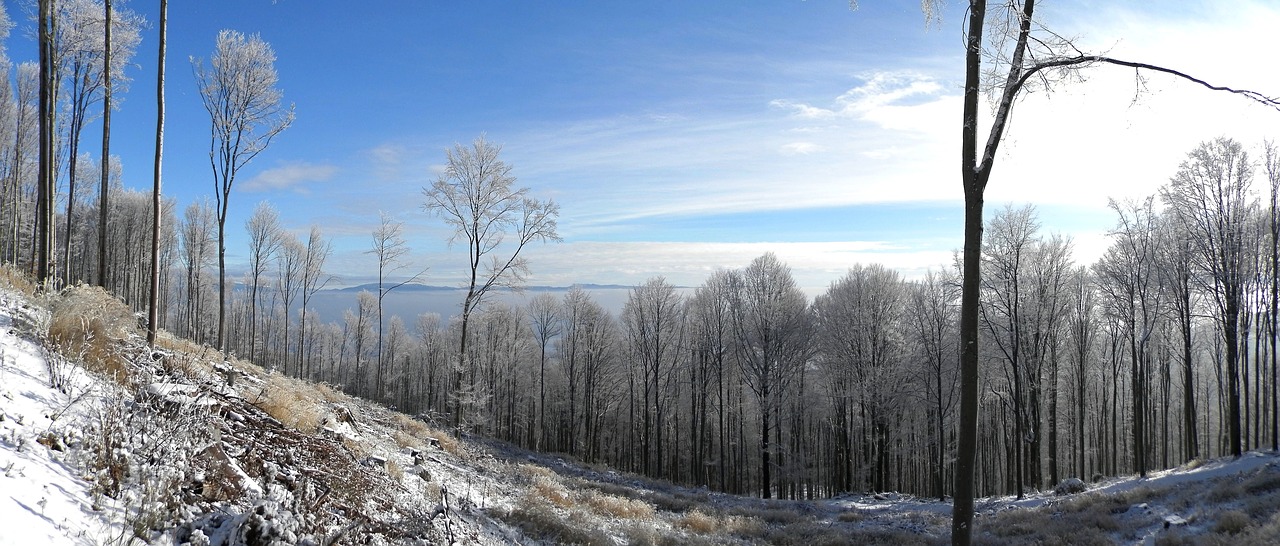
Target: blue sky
column 678, row 137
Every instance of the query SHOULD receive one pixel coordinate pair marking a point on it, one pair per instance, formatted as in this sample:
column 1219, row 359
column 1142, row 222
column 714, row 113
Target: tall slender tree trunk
column 43, row 247
column 974, row 182
column 1188, row 372
column 106, row 153
column 765, row 481
column 222, row 277
column 1231, row 333
column 156, row 204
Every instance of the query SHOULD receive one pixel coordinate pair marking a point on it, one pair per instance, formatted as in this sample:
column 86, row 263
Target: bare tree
column 1176, row 269
column 357, row 330
column 1081, row 326
column 197, row 235
column 772, row 324
column 84, row 31
column 390, row 248
column 859, row 333
column 931, row 321
column 264, row 241
column 475, row 196
column 290, row 262
column 654, row 323
column 1210, row 196
column 712, row 341
column 26, row 119
column 313, row 280
column 544, row 321
column 239, row 92
column 1006, row 255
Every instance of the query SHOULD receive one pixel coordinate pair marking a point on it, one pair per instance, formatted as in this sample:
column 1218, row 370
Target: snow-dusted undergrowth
column 178, row 446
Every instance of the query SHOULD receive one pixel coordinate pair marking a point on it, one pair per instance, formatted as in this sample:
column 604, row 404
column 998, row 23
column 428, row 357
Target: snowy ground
column 43, row 499
column 193, row 451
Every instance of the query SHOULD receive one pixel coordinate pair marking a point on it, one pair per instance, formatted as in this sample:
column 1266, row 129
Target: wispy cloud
column 296, row 177
column 882, row 97
column 801, row 148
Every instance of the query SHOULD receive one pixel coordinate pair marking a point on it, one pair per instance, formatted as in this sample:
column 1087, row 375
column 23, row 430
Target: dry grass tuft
column 420, row 432
column 618, row 507
column 357, row 449
column 551, row 491
column 183, row 346
column 89, row 323
column 533, row 471
column 18, row 281
column 292, row 402
column 698, row 522
column 407, row 440
column 410, row 425
column 449, row 444
column 330, row 394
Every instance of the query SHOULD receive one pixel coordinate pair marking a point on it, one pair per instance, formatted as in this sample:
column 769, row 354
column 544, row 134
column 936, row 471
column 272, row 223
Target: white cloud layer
column 296, row 177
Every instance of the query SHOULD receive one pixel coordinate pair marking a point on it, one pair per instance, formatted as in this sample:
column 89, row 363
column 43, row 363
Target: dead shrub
column 448, row 443
column 745, row 527
column 90, row 323
column 886, row 537
column 1225, row 491
column 1085, row 520
column 774, row 514
column 1263, row 505
column 850, row 516
column 677, row 503
column 433, row 492
column 426, row 435
column 638, row 533
column 1265, row 481
column 809, row 534
column 1232, row 522
column 1017, row 523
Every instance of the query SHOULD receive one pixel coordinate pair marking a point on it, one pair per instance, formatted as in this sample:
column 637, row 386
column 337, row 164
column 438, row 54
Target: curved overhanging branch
column 1271, row 102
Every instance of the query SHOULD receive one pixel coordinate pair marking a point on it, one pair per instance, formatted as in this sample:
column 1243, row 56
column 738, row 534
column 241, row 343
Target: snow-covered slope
column 43, row 497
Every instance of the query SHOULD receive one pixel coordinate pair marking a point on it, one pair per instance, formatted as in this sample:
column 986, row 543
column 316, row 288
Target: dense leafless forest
column 1162, row 351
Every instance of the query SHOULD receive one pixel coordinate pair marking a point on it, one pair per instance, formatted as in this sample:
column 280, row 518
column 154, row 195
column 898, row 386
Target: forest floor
column 106, row 441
